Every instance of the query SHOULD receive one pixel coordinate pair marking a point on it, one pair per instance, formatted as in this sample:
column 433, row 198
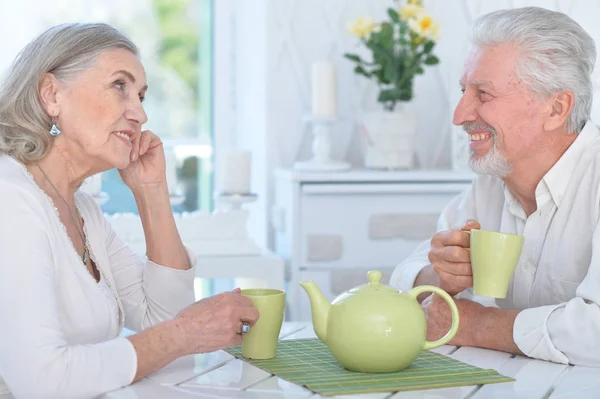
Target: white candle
column 93, row 185
column 234, row 172
column 171, row 169
column 324, row 90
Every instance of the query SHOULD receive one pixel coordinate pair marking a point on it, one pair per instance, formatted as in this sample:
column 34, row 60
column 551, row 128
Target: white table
column 220, row 375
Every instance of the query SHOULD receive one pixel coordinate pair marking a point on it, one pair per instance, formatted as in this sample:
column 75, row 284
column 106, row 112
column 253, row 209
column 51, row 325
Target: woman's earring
column 54, row 130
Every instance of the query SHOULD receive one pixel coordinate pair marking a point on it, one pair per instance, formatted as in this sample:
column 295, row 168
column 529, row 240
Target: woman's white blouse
column 59, row 334
column 112, row 329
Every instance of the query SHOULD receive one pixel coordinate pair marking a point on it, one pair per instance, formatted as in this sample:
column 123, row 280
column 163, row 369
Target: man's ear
column 48, row 91
column 561, row 106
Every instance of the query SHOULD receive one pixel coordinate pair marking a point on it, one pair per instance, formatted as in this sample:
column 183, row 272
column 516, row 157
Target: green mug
column 494, row 257
column 261, row 341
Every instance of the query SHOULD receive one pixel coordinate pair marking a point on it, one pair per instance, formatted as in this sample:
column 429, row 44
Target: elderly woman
column 71, row 107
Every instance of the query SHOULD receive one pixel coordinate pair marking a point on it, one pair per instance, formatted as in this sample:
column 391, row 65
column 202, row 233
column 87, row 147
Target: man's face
column 502, row 117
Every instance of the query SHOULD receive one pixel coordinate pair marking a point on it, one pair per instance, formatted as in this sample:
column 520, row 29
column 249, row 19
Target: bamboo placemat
column 308, row 362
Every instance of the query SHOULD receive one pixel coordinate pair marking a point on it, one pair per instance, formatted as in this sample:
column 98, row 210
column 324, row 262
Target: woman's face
column 100, row 111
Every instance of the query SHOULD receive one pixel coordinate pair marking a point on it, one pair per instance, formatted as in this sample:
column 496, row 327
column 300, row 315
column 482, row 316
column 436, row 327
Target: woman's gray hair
column 63, row 50
column 556, row 53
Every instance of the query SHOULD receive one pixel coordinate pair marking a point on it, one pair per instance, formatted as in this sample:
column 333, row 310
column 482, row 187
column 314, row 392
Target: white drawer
column 368, row 225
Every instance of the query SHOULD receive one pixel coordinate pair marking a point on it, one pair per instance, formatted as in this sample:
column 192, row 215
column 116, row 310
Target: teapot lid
column 374, row 285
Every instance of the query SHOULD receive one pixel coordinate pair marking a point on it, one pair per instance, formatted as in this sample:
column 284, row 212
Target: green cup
column 494, row 257
column 261, row 341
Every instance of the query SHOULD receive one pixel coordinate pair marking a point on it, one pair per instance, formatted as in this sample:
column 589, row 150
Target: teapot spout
column 319, row 307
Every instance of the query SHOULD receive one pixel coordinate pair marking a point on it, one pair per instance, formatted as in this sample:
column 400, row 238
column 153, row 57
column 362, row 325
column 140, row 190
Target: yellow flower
column 424, row 25
column 362, row 27
column 410, row 11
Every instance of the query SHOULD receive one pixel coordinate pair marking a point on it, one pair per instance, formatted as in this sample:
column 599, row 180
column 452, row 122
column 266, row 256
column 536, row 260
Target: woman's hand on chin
column 147, row 165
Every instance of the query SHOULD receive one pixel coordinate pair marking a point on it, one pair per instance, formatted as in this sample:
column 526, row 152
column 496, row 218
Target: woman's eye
column 142, row 99
column 120, row 85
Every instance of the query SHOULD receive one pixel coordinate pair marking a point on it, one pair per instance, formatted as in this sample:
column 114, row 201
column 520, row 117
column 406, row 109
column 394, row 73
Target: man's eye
column 484, row 94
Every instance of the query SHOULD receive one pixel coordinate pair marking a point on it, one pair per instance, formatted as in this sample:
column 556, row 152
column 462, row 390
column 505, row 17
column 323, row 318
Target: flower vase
column 390, row 138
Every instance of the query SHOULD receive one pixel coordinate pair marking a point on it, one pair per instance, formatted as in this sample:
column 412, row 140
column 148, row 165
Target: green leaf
column 428, row 46
column 353, row 57
column 384, row 57
column 431, row 60
column 385, row 36
column 403, row 28
column 393, row 15
column 362, row 71
column 379, row 75
column 389, row 73
column 393, row 94
column 420, row 70
column 406, row 96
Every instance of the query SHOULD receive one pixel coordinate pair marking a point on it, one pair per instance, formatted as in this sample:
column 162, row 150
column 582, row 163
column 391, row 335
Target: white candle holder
column 176, row 199
column 321, row 149
column 235, row 200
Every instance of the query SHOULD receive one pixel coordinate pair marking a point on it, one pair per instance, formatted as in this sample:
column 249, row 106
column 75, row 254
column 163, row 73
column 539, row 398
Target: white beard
column 493, row 163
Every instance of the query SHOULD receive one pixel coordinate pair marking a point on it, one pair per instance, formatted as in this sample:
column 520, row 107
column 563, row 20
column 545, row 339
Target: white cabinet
column 333, row 227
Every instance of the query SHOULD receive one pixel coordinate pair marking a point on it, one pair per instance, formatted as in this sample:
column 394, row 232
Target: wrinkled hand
column 216, row 322
column 450, row 258
column 439, row 319
column 147, row 164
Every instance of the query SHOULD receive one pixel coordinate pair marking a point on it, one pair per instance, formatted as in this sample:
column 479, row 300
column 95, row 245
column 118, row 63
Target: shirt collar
column 554, row 183
column 514, row 206
column 557, row 178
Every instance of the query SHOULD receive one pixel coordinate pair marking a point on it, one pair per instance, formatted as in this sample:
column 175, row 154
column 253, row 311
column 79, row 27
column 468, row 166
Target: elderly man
column 527, row 94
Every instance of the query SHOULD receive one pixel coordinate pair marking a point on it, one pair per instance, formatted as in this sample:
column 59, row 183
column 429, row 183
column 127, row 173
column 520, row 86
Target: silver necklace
column 85, row 257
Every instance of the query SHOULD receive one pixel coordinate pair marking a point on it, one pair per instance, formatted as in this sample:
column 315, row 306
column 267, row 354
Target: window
column 175, row 42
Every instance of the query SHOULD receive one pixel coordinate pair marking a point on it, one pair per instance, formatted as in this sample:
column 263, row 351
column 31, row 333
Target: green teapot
column 374, row 328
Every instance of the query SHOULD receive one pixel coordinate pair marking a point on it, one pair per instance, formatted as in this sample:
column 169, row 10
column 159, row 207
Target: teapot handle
column 454, row 328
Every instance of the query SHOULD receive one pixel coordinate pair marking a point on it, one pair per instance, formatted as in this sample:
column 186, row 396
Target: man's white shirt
column 557, row 280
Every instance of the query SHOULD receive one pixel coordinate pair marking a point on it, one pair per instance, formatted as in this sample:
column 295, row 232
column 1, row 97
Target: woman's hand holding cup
column 216, row 322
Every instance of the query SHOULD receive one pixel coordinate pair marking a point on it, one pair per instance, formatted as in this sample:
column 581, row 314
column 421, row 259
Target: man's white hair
column 556, row 53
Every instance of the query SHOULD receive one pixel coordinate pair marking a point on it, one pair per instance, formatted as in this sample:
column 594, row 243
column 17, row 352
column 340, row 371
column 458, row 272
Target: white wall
column 276, row 41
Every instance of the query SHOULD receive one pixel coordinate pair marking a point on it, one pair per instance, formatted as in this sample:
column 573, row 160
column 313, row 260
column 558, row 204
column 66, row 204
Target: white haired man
column 527, row 95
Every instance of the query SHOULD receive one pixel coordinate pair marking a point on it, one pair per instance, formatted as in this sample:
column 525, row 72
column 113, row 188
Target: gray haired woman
column 71, row 107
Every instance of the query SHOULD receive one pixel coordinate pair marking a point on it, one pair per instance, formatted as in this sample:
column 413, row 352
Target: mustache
column 471, row 126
